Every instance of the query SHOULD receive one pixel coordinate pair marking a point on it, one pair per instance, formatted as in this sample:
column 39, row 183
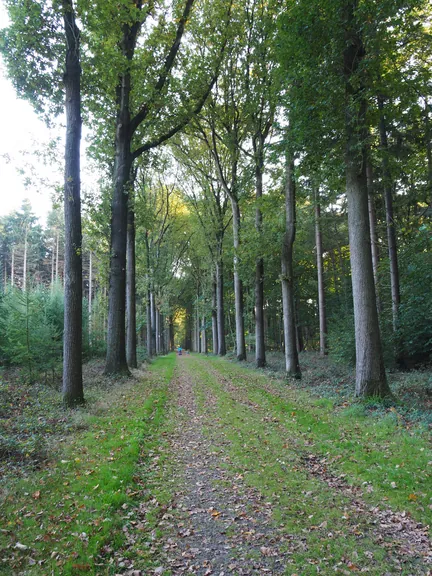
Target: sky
column 21, row 134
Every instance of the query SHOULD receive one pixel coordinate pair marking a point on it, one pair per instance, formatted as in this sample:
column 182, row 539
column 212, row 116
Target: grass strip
column 393, row 463
column 57, row 520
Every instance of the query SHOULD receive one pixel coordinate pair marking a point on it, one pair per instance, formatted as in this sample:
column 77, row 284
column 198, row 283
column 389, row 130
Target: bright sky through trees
column 22, row 133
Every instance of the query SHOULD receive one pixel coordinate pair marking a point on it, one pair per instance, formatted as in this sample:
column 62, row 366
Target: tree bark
column 203, row 336
column 131, row 337
column 25, row 259
column 391, row 233
column 320, row 273
column 220, row 308
column 57, row 255
column 12, row 266
column 260, row 357
column 73, row 393
column 292, row 366
column 116, row 340
column 214, row 315
column 149, row 326
column 153, row 322
column 171, row 333
column 373, row 229
column 370, row 374
column 90, row 295
column 428, row 143
column 238, row 285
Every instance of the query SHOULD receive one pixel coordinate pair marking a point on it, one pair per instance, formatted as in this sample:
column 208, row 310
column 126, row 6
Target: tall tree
column 72, row 336
column 135, row 134
column 292, row 366
column 320, row 275
column 370, row 374
column 39, row 39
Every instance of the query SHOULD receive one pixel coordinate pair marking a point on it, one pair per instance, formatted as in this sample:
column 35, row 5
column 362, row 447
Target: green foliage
column 415, row 312
column 32, row 329
column 32, row 47
column 341, row 339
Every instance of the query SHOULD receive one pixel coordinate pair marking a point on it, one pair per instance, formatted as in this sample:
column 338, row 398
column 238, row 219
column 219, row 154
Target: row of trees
column 268, row 108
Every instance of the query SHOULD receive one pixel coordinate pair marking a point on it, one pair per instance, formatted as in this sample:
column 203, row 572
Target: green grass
column 272, row 429
column 366, row 448
column 67, row 512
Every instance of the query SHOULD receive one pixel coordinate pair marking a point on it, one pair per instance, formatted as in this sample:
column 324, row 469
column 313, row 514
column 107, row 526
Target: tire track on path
column 225, row 527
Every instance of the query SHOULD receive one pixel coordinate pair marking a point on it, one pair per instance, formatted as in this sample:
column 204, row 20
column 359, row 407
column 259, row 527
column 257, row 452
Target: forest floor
column 198, row 465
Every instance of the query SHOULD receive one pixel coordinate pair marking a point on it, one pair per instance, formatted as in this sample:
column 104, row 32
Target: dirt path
column 219, row 525
column 227, row 527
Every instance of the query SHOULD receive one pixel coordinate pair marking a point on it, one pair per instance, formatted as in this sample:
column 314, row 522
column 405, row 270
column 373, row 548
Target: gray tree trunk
column 12, row 266
column 214, row 315
column 260, row 357
column 391, row 233
column 320, row 273
column 370, row 374
column 238, row 287
column 157, row 330
column 220, row 308
column 292, row 366
column 373, row 230
column 25, row 259
column 149, row 326
column 90, row 296
column 73, row 392
column 203, row 336
column 428, row 140
column 153, row 322
column 57, row 256
column 131, row 337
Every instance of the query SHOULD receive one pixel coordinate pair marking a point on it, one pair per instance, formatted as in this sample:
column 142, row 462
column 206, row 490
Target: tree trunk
column 171, row 333
column 116, row 341
column 157, row 328
column 203, row 336
column 320, row 273
column 162, row 346
column 25, row 259
column 57, row 255
column 238, row 286
column 370, row 374
column 391, row 234
column 428, row 142
column 189, row 328
column 260, row 357
column 292, row 366
column 373, row 229
column 12, row 266
column 153, row 322
column 90, row 295
column 131, row 338
column 73, row 393
column 214, row 314
column 220, row 308
column 149, row 326
column 52, row 267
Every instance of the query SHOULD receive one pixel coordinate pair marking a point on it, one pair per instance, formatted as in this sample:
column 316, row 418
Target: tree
column 144, row 90
column 370, row 374
column 292, row 366
column 39, row 38
column 72, row 335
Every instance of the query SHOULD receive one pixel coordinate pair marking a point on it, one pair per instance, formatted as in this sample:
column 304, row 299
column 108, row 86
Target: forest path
column 253, row 495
